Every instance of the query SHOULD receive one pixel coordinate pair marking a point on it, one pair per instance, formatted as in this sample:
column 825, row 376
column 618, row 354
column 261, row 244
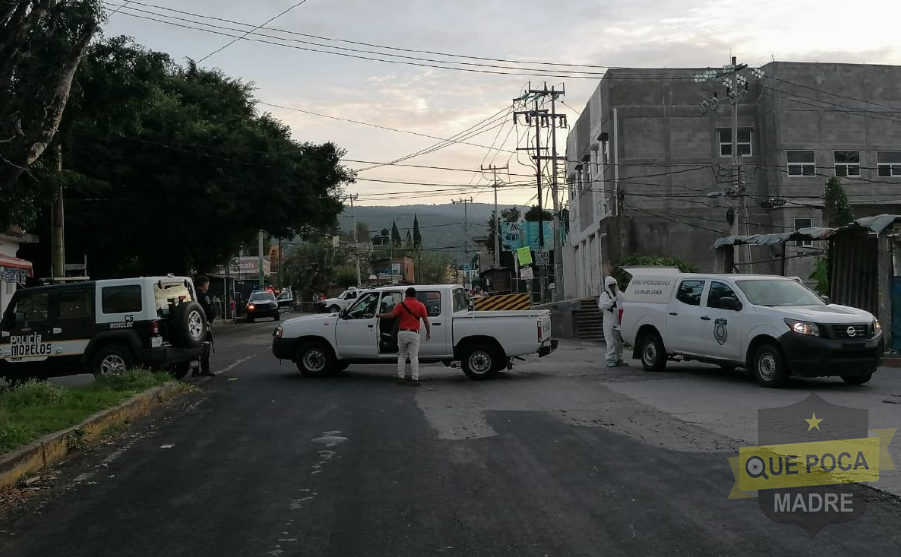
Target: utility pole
column 260, row 261
column 464, row 202
column 543, row 118
column 736, row 85
column 59, row 225
column 353, row 213
column 497, row 216
column 558, row 248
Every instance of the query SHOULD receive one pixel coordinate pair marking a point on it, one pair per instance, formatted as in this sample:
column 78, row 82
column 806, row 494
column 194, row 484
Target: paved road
column 559, row 457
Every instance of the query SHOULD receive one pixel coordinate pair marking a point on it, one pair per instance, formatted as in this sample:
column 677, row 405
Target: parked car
column 484, row 342
column 772, row 326
column 262, row 304
column 343, row 301
column 102, row 327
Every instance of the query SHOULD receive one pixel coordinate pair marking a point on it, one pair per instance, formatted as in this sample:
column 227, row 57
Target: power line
column 270, row 20
column 385, row 47
column 371, row 125
column 837, row 95
column 377, row 56
column 343, row 54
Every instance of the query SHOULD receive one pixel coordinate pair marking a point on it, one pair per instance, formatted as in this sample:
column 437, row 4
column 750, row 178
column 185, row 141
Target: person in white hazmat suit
column 609, row 303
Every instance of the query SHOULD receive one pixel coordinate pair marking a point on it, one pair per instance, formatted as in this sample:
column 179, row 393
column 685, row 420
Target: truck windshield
column 778, row 293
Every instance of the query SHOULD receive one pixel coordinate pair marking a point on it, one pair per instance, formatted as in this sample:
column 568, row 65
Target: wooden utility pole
column 497, row 216
column 545, row 119
column 464, row 202
column 58, row 240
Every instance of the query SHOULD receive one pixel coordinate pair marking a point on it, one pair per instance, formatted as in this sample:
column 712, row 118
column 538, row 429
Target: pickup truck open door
column 356, row 331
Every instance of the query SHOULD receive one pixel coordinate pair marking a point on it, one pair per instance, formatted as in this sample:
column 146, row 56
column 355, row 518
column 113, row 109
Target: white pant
column 614, row 340
column 407, row 347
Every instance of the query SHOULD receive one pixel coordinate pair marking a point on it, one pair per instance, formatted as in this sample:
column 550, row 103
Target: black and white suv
column 102, row 327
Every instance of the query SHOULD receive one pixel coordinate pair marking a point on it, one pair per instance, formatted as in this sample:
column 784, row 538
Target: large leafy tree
column 175, row 170
column 42, row 43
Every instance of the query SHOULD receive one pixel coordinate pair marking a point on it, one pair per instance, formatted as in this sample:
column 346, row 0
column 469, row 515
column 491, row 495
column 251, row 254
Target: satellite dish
column 730, row 216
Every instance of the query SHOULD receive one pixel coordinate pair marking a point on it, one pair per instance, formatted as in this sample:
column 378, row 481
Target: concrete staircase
column 588, row 321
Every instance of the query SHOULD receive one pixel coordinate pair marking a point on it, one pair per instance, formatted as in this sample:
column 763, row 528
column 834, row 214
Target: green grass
column 30, row 411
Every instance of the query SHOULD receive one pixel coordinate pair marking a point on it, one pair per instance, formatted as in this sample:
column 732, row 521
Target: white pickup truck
column 342, row 302
column 484, row 342
column 772, row 326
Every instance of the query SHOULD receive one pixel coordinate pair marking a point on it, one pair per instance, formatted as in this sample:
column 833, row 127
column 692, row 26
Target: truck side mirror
column 826, row 300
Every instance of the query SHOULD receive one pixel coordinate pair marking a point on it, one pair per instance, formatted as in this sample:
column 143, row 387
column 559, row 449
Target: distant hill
column 441, row 225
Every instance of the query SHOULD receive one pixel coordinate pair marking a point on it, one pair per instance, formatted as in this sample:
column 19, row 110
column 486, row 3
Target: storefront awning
column 16, row 263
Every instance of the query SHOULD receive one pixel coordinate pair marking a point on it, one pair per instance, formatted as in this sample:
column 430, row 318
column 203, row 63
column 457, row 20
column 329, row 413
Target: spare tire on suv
column 188, row 325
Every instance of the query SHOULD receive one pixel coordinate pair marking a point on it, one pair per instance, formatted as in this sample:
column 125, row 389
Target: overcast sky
column 437, row 102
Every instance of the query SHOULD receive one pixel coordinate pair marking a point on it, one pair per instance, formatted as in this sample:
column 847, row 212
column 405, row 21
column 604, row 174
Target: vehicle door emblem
column 852, row 332
column 719, row 331
column 57, row 330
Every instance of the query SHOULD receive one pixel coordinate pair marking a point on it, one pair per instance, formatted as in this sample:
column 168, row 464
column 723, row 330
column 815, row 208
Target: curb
column 56, row 446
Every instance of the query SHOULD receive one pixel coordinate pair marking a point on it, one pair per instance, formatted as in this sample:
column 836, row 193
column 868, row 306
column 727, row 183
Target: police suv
column 770, row 325
column 102, row 327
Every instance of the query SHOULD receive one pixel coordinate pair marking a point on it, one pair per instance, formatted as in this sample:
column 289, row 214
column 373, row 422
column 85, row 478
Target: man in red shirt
column 409, row 311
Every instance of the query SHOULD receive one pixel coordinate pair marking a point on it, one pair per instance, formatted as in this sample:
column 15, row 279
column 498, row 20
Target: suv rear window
column 690, row 292
column 170, row 292
column 121, row 299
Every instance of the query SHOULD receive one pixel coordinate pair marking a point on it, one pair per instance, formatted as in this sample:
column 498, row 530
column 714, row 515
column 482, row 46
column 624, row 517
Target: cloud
column 631, row 33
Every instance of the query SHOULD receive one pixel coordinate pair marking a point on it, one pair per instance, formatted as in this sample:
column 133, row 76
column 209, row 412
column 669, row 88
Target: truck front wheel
column 768, row 366
column 315, row 359
column 652, row 352
column 479, row 361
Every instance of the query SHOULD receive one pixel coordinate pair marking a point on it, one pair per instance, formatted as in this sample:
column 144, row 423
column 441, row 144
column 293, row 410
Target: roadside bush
column 132, row 380
column 31, row 394
column 623, row 278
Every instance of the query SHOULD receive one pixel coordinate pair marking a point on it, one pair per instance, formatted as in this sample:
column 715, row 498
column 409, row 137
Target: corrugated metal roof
column 877, row 224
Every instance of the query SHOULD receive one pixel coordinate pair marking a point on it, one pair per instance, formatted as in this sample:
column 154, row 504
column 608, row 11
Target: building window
column 847, row 163
column 889, row 163
column 744, row 142
column 804, row 223
column 801, row 163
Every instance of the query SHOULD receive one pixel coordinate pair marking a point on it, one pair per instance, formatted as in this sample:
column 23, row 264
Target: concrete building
column 14, row 272
column 644, row 161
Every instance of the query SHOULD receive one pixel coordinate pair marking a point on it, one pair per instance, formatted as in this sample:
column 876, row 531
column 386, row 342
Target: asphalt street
column 558, row 457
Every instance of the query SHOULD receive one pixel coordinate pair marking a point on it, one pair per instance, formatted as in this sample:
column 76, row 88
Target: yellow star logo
column 813, row 422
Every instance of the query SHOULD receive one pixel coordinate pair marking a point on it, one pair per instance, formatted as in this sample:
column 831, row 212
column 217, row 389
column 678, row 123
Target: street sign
column 526, row 273
column 542, row 258
column 76, row 266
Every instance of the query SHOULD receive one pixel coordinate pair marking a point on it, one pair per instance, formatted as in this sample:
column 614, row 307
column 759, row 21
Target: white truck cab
column 343, row 301
column 484, row 342
column 772, row 326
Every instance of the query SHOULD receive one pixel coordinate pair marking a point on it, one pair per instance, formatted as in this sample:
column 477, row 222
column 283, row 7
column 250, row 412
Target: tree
column 362, row 232
column 417, row 236
column 174, row 168
column 511, row 214
column 434, row 268
column 838, row 212
column 42, row 43
column 532, row 214
column 395, row 235
column 408, row 242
